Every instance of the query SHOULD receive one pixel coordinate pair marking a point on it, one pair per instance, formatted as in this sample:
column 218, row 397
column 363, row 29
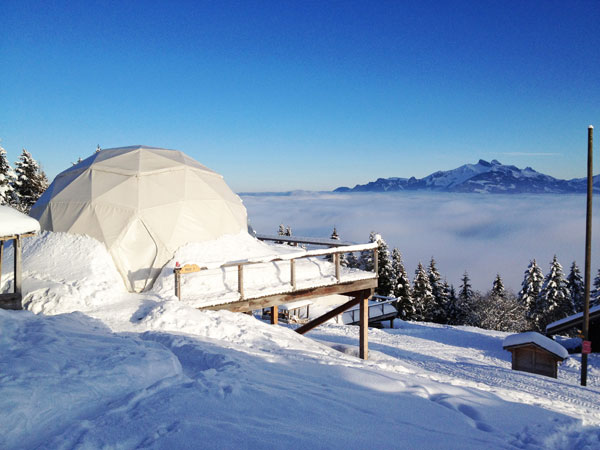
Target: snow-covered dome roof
column 143, row 203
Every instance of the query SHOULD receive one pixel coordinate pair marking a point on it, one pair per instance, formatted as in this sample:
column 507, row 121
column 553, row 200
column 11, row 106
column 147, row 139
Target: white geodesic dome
column 143, row 203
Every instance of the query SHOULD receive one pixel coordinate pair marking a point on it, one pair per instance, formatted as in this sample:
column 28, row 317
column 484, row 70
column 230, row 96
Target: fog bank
column 482, row 234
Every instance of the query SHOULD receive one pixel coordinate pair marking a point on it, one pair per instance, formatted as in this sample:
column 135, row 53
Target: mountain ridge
column 484, row 177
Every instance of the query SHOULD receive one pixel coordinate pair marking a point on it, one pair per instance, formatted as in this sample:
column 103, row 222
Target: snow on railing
column 291, row 257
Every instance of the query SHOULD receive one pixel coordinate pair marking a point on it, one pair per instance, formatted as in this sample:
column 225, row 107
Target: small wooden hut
column 535, row 353
column 14, row 226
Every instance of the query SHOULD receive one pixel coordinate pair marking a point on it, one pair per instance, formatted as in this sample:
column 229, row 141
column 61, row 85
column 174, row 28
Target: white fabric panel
column 143, row 203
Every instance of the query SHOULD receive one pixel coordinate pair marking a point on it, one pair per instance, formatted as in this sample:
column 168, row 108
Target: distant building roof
column 572, row 321
column 14, row 222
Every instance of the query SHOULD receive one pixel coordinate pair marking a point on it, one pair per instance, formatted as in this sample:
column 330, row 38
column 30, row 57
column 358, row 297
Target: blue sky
column 304, row 95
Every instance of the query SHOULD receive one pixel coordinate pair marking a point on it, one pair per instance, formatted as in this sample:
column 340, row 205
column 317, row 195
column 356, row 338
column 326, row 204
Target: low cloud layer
column 482, row 234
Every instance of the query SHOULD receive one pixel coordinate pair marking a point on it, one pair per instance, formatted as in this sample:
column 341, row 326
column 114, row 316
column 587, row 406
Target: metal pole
column 588, row 255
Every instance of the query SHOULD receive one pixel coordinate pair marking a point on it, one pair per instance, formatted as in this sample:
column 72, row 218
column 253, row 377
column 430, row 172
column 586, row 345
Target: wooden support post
column 293, row 274
column 364, row 326
column 274, row 315
column 177, row 272
column 336, row 258
column 18, row 268
column 588, row 253
column 241, row 281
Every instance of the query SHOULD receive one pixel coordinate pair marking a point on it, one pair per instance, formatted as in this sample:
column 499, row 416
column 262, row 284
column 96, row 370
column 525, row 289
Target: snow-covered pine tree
column 576, row 287
column 435, row 313
column 595, row 293
column 443, row 301
column 280, row 232
column 421, row 293
column 7, row 178
column 31, row 181
column 334, row 236
column 402, row 290
column 366, row 257
column 385, row 270
column 352, row 261
column 554, row 302
column 452, row 312
column 465, row 301
column 530, row 291
column 498, row 289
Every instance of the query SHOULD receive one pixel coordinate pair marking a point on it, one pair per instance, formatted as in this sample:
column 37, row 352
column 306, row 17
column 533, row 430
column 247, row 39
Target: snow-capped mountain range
column 483, row 177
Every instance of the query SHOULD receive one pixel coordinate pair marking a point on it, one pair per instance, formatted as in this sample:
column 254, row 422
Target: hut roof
column 532, row 337
column 14, row 222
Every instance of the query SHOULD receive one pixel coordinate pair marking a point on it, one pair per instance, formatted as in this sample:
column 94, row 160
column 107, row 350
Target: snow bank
column 15, row 222
column 538, row 339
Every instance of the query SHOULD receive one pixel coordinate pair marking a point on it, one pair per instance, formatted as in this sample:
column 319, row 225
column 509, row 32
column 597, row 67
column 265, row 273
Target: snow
column 93, row 366
column 15, row 222
column 538, row 339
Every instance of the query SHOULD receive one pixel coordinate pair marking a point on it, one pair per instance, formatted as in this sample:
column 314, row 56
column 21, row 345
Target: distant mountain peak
column 483, row 177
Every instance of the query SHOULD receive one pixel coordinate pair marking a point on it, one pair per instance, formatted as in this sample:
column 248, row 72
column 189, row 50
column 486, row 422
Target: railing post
column 336, row 258
column 241, row 281
column 364, row 326
column 293, row 274
column 177, row 272
column 376, row 260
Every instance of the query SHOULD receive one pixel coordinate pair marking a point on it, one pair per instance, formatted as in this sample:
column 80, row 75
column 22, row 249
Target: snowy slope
column 142, row 370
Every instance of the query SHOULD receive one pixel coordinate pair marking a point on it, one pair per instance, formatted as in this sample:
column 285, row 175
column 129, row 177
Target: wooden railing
column 336, row 252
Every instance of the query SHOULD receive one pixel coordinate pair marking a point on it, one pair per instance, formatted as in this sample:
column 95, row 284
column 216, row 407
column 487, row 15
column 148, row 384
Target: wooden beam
column 325, row 317
column 363, row 302
column 1, row 256
column 17, row 268
column 274, row 315
column 177, row 272
column 336, row 259
column 348, row 288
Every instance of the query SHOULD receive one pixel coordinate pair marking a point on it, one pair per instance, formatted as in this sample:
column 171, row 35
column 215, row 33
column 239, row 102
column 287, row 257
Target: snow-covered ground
column 99, row 367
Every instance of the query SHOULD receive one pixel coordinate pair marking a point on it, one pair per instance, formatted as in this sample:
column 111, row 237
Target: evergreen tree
column 435, row 313
column 31, row 181
column 366, row 257
column 498, row 287
column 280, row 232
column 421, row 293
column 576, row 287
column 595, row 293
column 554, row 301
column 402, row 291
column 385, row 270
column 499, row 310
column 453, row 314
column 465, row 301
column 352, row 261
column 343, row 262
column 7, row 178
column 443, row 303
column 530, row 291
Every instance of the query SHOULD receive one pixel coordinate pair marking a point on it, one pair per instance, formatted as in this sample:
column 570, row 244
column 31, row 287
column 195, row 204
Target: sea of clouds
column 482, row 234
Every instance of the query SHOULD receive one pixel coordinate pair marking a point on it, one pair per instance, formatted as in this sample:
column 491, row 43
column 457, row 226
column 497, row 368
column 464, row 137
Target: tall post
column 241, row 281
column 364, row 326
column 177, row 272
column 274, row 315
column 293, row 274
column 588, row 254
column 17, row 266
column 336, row 258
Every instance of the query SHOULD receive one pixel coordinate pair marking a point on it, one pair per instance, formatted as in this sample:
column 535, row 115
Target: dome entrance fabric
column 143, row 203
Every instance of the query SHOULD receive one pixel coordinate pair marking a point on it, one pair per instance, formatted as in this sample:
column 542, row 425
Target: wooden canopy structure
column 359, row 290
column 13, row 300
column 576, row 322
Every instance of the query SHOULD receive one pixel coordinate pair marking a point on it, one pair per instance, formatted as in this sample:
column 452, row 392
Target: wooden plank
column 274, row 315
column 336, row 259
column 303, row 240
column 191, row 268
column 1, row 257
column 15, row 236
column 325, row 317
column 363, row 302
column 348, row 288
column 177, row 273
